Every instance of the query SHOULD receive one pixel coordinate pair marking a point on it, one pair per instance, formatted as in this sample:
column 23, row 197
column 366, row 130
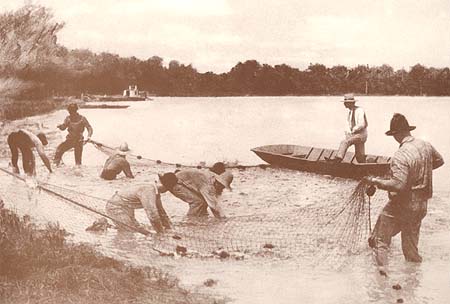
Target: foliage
column 30, row 53
column 39, row 266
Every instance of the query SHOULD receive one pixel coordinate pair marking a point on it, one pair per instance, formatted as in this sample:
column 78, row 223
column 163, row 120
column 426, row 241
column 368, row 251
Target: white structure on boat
column 131, row 92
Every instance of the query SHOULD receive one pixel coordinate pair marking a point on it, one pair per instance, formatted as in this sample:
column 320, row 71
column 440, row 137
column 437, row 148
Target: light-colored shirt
column 412, row 166
column 358, row 122
column 199, row 183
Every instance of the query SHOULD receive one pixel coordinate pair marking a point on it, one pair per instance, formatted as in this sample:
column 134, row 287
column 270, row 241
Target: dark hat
column 398, row 124
column 43, row 138
column 169, row 180
column 218, row 168
column 349, row 98
column 73, row 107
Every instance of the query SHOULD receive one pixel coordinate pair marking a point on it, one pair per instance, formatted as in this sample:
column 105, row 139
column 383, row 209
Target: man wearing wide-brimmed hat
column 117, row 163
column 201, row 189
column 410, row 187
column 356, row 134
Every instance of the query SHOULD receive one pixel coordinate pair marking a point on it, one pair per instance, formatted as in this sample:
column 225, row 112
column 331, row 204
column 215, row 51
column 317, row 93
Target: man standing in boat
column 410, row 187
column 75, row 125
column 356, row 134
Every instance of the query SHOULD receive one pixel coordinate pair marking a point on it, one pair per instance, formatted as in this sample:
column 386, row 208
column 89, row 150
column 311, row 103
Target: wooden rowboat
column 313, row 159
column 102, row 106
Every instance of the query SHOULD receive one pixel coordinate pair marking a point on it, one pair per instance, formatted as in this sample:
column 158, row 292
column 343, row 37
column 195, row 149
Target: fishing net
column 325, row 234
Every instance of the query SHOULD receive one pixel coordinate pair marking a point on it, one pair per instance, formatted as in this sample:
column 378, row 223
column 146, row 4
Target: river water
column 194, row 130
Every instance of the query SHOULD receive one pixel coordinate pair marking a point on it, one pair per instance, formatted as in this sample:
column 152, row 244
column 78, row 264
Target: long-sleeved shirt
column 197, row 187
column 117, row 163
column 357, row 121
column 75, row 125
column 143, row 196
column 413, row 164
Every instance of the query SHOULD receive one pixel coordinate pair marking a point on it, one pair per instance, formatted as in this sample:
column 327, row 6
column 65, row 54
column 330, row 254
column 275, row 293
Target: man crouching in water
column 122, row 204
column 201, row 189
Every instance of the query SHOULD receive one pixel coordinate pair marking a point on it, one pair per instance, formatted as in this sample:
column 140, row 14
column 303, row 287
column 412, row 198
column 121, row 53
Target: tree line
column 31, row 54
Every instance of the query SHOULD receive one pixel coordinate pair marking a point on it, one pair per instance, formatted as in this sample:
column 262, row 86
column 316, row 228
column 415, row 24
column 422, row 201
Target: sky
column 214, row 35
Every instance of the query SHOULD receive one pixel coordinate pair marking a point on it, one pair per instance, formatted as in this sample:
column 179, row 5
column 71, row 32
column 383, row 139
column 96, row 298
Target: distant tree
column 28, row 38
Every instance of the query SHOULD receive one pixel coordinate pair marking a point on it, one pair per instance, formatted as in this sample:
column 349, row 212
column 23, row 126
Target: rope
column 142, row 231
column 101, row 147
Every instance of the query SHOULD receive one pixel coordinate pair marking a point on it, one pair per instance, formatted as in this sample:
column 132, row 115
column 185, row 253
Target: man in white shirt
column 356, row 134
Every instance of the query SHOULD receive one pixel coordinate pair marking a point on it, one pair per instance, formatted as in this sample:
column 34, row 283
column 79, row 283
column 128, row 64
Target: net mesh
column 328, row 233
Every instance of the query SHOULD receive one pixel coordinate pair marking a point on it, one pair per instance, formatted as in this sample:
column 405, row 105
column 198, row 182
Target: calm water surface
column 192, row 130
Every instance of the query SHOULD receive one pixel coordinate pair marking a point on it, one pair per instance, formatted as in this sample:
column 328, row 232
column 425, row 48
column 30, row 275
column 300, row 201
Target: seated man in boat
column 25, row 141
column 122, row 204
column 356, row 134
column 117, row 163
column 75, row 125
column 201, row 189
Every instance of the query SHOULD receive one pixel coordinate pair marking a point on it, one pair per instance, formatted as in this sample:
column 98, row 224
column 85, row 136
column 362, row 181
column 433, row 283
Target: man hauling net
column 122, row 204
column 201, row 189
column 116, row 164
column 410, row 187
column 24, row 141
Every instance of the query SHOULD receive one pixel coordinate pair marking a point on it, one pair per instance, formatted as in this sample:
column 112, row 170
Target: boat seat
column 315, row 154
column 327, row 153
column 348, row 158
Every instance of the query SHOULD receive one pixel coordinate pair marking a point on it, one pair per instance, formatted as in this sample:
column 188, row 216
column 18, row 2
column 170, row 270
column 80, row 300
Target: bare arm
column 64, row 125
column 88, row 127
column 127, row 169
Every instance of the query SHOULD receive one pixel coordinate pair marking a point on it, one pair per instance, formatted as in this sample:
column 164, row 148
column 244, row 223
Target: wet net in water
column 314, row 234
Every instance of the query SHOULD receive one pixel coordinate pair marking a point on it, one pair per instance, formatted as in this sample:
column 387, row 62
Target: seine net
column 325, row 234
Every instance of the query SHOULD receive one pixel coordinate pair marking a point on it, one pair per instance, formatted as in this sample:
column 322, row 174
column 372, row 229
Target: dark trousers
column 388, row 226
column 68, row 144
column 19, row 141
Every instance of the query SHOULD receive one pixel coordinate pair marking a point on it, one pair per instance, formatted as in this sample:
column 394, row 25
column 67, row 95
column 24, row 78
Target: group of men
column 409, row 186
column 201, row 189
column 24, row 141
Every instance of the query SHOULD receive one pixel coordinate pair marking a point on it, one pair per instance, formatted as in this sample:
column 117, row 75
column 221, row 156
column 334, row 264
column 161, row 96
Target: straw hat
column 349, row 98
column 123, row 149
column 225, row 179
column 398, row 124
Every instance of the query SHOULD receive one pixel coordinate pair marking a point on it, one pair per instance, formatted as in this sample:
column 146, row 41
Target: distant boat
column 102, row 106
column 313, row 159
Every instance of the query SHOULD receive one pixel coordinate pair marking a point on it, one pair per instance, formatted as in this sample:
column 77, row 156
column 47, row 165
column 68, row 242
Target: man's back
column 413, row 165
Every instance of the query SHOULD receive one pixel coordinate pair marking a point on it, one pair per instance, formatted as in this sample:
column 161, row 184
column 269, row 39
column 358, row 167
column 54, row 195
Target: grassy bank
column 11, row 109
column 39, row 266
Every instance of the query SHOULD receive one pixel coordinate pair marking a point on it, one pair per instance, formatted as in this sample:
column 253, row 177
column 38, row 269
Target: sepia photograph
column 224, row 151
